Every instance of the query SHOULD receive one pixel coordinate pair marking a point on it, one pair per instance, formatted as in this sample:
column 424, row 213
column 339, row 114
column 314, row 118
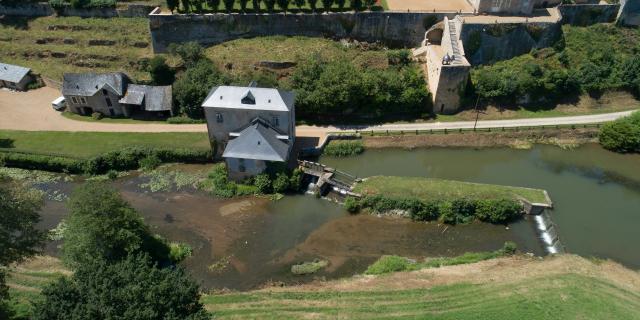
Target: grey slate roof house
column 113, row 94
column 251, row 127
column 14, row 77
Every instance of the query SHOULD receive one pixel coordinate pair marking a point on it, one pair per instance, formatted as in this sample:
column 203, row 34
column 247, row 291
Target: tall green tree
column 256, row 5
column 270, row 4
column 190, row 52
column 228, row 5
column 19, row 236
column 172, row 5
column 243, row 5
column 213, row 5
column 326, row 5
column 284, row 5
column 134, row 288
column 299, row 3
column 369, row 3
column 340, row 4
column 313, row 4
column 192, row 87
column 102, row 226
column 356, row 5
column 161, row 73
column 198, row 4
column 186, row 6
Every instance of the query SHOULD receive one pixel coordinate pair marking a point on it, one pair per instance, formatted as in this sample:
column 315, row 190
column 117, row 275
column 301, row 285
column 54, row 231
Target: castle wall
column 588, row 14
column 629, row 14
column 44, row 9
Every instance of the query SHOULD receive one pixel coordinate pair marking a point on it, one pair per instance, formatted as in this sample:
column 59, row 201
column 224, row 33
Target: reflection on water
column 247, row 242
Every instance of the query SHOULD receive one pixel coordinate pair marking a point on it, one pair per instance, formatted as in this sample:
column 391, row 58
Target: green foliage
column 400, row 57
column 342, row 148
column 161, row 73
column 133, row 288
column 19, row 236
column 351, row 204
column 283, row 4
column 97, row 115
column 450, row 211
column 218, row 183
column 295, row 181
column 309, row 267
column 149, row 162
column 178, row 252
column 184, row 120
column 389, row 264
column 335, row 89
column 281, row 183
column 102, row 226
column 192, row 87
column 57, row 4
column 622, row 135
column 228, row 5
column 190, row 52
column 263, row 183
column 172, row 5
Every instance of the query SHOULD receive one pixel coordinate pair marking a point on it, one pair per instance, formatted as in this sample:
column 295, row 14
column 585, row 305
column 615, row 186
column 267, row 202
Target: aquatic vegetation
column 178, row 252
column 309, row 267
column 30, row 176
column 165, row 179
column 220, row 265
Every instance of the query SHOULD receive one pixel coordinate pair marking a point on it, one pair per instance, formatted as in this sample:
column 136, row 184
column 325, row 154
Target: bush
column 149, row 162
column 351, row 204
column 400, row 57
column 97, row 115
column 184, row 120
column 178, row 252
column 295, row 181
column 388, row 264
column 161, row 73
column 344, row 148
column 509, row 248
column 263, row 183
column 622, row 135
column 281, row 183
column 498, row 210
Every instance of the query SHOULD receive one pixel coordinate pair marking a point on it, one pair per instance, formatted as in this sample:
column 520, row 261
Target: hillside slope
column 564, row 287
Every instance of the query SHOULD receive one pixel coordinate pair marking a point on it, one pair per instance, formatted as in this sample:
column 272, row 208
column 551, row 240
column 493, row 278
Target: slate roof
column 265, row 98
column 258, row 142
column 11, row 73
column 87, row 84
column 155, row 98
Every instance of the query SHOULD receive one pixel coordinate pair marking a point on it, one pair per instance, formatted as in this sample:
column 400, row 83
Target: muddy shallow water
column 249, row 242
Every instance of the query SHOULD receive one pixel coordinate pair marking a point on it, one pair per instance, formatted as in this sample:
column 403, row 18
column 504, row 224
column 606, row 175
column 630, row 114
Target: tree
column 299, row 4
column 631, row 73
column 369, row 3
column 284, row 5
column 19, row 237
column 622, row 135
column 356, row 5
column 243, row 5
column 213, row 4
column 256, row 5
column 161, row 73
column 102, row 226
column 326, row 5
column 228, row 5
column 172, row 5
column 270, row 4
column 190, row 53
column 198, row 5
column 313, row 4
column 186, row 6
column 134, row 288
column 192, row 87
column 340, row 4
column 78, row 4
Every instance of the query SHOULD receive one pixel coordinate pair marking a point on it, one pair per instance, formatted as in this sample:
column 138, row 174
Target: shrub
column 295, row 181
column 351, row 204
column 57, row 4
column 184, row 120
column 281, row 183
column 191, row 89
column 388, row 264
column 161, row 73
column 622, row 135
column 97, row 115
column 498, row 210
column 309, row 267
column 400, row 57
column 344, row 148
column 149, row 162
column 112, row 174
column 263, row 183
column 509, row 248
column 178, row 252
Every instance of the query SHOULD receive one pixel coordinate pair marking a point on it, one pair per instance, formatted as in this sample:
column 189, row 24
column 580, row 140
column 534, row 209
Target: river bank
column 564, row 138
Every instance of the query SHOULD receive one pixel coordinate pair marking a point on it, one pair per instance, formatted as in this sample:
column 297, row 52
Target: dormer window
column 248, row 98
column 104, row 92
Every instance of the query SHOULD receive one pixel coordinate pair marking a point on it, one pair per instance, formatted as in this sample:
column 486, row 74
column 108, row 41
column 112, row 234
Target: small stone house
column 113, row 94
column 251, row 127
column 14, row 77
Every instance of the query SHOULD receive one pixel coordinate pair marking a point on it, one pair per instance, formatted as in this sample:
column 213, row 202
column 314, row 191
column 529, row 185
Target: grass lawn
column 52, row 46
column 78, row 117
column 433, row 189
column 87, row 144
column 567, row 296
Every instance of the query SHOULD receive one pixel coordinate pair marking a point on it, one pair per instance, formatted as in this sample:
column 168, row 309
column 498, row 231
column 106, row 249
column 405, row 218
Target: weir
column 547, row 233
column 325, row 179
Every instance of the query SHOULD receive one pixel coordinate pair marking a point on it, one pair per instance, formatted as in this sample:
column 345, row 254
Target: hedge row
column 120, row 160
column 454, row 211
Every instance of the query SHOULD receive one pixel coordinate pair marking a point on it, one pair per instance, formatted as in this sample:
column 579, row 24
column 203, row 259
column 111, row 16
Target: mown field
column 88, row 144
column 427, row 189
column 566, row 287
column 52, row 46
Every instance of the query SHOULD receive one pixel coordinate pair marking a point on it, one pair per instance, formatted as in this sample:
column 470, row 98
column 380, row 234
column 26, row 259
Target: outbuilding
column 14, row 77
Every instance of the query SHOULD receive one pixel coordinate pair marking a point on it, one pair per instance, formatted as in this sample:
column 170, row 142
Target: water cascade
column 548, row 233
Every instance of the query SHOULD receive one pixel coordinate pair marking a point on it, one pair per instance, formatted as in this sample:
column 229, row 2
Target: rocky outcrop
column 396, row 29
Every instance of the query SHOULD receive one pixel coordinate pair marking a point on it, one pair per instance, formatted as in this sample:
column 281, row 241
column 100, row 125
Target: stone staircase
column 457, row 55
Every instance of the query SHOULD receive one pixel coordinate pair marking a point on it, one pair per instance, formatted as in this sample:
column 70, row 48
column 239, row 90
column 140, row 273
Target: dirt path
column 429, row 5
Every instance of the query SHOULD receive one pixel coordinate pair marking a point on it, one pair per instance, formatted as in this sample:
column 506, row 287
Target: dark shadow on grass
column 6, row 143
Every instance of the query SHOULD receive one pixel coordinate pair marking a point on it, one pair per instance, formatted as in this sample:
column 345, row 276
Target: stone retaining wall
column 44, row 9
column 629, row 14
column 588, row 14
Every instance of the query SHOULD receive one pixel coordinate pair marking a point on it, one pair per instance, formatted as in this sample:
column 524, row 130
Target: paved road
column 32, row 111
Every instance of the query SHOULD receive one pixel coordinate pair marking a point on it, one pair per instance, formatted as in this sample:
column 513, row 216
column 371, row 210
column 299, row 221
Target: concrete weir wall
column 396, row 29
column 629, row 14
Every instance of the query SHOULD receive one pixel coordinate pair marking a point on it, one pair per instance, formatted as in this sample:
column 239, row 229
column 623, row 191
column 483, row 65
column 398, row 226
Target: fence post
column 445, row 130
column 416, row 132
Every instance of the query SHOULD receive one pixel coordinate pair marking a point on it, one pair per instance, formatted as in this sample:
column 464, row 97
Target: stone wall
column 395, row 29
column 488, row 43
column 588, row 14
column 44, row 9
column 629, row 13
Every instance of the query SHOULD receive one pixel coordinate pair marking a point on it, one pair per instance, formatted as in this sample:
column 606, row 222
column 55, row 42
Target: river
column 249, row 242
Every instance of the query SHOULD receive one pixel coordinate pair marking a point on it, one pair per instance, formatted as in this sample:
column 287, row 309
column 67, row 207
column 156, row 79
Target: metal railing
column 379, row 132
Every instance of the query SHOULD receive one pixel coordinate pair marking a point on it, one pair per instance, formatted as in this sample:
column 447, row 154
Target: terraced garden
column 52, row 46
